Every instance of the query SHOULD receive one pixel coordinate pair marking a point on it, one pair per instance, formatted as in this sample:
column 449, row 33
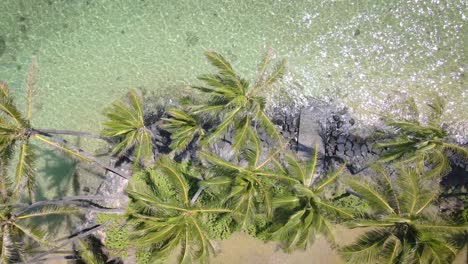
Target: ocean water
column 356, row 52
column 362, row 54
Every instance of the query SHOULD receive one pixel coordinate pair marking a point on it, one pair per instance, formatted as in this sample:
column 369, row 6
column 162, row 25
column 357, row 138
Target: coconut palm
column 237, row 103
column 307, row 209
column 15, row 133
column 89, row 253
column 403, row 228
column 429, row 143
column 185, row 128
column 246, row 183
column 163, row 216
column 126, row 122
column 17, row 226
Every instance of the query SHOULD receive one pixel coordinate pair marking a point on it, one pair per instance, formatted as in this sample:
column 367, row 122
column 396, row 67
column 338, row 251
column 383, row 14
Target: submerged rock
column 2, row 45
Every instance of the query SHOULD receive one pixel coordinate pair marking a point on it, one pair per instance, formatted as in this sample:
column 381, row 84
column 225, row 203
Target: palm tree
column 163, row 216
column 126, row 122
column 403, row 229
column 416, row 141
column 186, row 128
column 247, row 183
column 236, row 102
column 307, row 209
column 17, row 227
column 16, row 132
column 89, row 253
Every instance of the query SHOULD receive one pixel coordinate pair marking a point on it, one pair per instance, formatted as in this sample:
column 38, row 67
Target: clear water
column 89, row 52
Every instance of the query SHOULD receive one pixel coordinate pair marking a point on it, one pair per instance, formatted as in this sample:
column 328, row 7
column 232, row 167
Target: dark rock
column 357, row 32
column 349, row 145
column 357, row 149
column 309, row 132
column 364, row 151
column 351, row 122
column 191, row 38
column 341, row 148
column 336, row 118
column 341, row 139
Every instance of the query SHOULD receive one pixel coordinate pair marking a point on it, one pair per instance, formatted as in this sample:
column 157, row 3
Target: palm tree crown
column 404, row 231
column 165, row 218
column 429, row 143
column 126, row 122
column 246, row 183
column 237, row 102
column 309, row 207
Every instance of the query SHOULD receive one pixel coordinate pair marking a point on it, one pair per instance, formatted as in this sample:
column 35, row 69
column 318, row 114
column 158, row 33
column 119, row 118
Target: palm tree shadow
column 63, row 175
column 58, row 173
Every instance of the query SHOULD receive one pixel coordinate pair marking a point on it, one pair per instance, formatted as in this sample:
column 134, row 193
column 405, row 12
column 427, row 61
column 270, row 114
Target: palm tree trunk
column 70, row 132
column 87, row 200
column 64, row 145
column 80, row 234
column 196, row 195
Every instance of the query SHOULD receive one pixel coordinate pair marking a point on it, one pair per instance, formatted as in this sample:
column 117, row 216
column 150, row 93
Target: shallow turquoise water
column 90, row 52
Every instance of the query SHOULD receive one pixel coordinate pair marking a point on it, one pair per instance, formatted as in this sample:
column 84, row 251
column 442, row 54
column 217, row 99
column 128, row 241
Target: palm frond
column 262, row 68
column 47, row 210
column 60, row 146
column 219, row 161
column 436, row 110
column 90, row 255
column 31, row 80
column 311, row 166
column 367, row 249
column 8, row 107
column 221, row 129
column 295, row 168
column 220, row 62
column 25, row 171
column 242, row 133
column 376, row 200
column 9, row 252
column 274, row 76
column 388, row 187
column 330, row 179
column 461, row 151
column 391, row 249
column 175, row 173
column 413, row 197
column 37, row 235
column 344, row 212
column 285, row 201
column 126, row 122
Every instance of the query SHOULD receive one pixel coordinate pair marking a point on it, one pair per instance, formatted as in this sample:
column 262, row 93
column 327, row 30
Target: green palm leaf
column 126, row 122
column 368, row 247
column 376, row 200
column 24, row 169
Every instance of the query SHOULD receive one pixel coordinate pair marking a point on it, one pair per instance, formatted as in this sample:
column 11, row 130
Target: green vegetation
column 416, row 142
column 404, row 231
column 127, row 124
column 164, row 222
column 258, row 186
column 310, row 208
column 117, row 233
